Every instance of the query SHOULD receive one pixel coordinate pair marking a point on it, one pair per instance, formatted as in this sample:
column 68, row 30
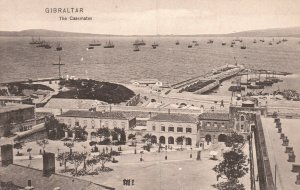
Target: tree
column 63, row 157
column 147, row 138
column 115, row 133
column 179, row 140
column 92, row 161
column 103, row 158
column 80, row 133
column 123, row 136
column 233, row 167
column 235, row 140
column 77, row 158
column 230, row 185
column 103, row 133
column 132, row 138
column 42, row 143
column 70, row 145
column 54, row 129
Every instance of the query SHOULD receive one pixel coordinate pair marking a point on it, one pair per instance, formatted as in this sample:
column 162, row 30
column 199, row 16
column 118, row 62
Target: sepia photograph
column 150, row 95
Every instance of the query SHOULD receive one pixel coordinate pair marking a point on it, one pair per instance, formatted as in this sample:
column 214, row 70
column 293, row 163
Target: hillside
column 46, row 33
column 273, row 32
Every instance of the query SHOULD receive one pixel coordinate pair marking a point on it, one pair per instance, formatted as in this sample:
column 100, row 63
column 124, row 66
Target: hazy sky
column 152, row 16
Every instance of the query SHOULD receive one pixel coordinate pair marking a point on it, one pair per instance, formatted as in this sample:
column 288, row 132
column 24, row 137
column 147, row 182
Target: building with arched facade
column 168, row 129
column 214, row 127
column 92, row 121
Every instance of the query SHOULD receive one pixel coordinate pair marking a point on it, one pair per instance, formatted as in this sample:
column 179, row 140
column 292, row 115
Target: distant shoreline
column 272, row 32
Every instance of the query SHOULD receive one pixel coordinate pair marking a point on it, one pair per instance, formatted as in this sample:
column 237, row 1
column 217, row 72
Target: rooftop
column 97, row 114
column 19, row 98
column 72, row 103
column 177, row 118
column 14, row 107
column 19, row 175
column 214, row 116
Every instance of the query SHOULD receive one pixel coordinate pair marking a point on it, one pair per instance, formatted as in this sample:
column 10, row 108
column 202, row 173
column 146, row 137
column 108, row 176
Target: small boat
column 95, row 43
column 254, row 41
column 231, row 45
column 58, row 47
column 223, row 43
column 154, row 45
column 196, row 44
column 243, row 46
column 190, row 46
column 270, row 43
column 47, row 46
column 177, row 42
column 194, row 41
column 262, row 40
column 278, row 42
column 109, row 44
column 284, row 40
column 90, row 47
column 210, row 41
column 136, row 48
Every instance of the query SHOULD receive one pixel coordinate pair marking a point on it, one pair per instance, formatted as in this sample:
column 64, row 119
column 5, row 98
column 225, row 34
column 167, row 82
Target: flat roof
column 96, row 114
column 214, row 116
column 14, row 107
column 180, row 118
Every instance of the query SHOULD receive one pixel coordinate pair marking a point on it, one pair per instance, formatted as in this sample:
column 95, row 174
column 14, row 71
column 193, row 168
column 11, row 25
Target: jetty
column 209, row 81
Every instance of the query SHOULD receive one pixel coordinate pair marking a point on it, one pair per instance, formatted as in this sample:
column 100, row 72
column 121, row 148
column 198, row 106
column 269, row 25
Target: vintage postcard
column 149, row 95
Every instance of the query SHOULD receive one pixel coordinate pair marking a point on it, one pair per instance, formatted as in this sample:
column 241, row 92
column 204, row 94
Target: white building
column 166, row 128
column 94, row 120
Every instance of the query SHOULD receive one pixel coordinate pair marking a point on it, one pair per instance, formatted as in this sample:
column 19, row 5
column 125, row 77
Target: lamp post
column 166, row 156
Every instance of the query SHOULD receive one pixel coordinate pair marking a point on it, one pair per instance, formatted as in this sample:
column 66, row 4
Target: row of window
column 209, row 124
column 105, row 123
column 171, row 129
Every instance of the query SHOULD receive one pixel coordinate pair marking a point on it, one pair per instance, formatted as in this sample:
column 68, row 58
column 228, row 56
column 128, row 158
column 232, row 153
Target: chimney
column 48, row 164
column 7, row 154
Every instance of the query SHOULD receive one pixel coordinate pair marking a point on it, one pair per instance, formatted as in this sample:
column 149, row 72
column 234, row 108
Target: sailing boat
column 243, row 46
column 136, row 48
column 177, row 42
column 58, row 47
column 33, row 41
column 95, row 43
column 47, row 46
column 109, row 44
column 154, row 45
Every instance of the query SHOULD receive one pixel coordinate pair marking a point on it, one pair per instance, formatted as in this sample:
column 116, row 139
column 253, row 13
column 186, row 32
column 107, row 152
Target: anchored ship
column 59, row 47
column 95, row 43
column 109, row 44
